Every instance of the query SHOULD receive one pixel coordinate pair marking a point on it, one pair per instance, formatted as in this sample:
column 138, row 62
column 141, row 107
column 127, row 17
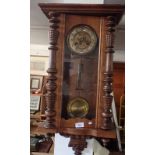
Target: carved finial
column 78, row 144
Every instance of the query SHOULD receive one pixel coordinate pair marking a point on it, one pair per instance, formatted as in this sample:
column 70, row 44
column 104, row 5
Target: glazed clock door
column 80, row 71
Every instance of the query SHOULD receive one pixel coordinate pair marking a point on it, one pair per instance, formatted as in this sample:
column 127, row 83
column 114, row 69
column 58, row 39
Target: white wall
column 39, row 49
column 85, row 1
column 39, row 35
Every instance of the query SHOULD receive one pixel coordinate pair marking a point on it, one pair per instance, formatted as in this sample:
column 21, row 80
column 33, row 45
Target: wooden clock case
column 102, row 19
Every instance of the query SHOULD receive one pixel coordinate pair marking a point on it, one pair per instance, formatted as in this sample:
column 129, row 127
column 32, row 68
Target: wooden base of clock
column 80, row 71
column 78, row 137
column 78, row 144
column 108, row 134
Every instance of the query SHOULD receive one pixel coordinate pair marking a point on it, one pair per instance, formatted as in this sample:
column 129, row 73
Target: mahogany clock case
column 86, row 77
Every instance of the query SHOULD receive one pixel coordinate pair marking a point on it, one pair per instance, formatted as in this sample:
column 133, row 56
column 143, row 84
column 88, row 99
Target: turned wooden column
column 51, row 86
column 108, row 74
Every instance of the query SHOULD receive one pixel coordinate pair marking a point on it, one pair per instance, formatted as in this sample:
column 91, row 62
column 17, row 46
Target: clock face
column 82, row 39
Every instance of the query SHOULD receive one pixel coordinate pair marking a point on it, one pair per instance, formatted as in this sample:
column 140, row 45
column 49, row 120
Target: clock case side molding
column 109, row 16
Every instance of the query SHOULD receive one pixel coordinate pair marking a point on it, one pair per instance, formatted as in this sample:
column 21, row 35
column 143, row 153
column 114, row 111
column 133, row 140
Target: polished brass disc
column 77, row 107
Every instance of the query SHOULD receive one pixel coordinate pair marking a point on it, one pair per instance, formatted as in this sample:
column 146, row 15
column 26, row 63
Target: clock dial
column 82, row 39
column 77, row 107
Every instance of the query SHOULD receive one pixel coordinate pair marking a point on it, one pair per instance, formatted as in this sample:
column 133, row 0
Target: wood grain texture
column 84, row 9
column 78, row 144
column 52, row 70
column 108, row 74
column 89, row 132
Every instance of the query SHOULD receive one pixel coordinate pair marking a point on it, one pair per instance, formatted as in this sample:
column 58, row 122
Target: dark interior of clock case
column 79, row 79
column 86, row 86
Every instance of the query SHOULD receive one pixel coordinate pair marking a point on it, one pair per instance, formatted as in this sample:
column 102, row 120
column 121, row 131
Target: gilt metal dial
column 77, row 107
column 82, row 39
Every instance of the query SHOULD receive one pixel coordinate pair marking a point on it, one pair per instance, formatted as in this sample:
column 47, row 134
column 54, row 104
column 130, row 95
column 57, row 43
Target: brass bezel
column 90, row 30
column 73, row 109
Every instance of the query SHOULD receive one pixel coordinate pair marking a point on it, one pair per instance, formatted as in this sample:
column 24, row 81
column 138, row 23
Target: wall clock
column 80, row 71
